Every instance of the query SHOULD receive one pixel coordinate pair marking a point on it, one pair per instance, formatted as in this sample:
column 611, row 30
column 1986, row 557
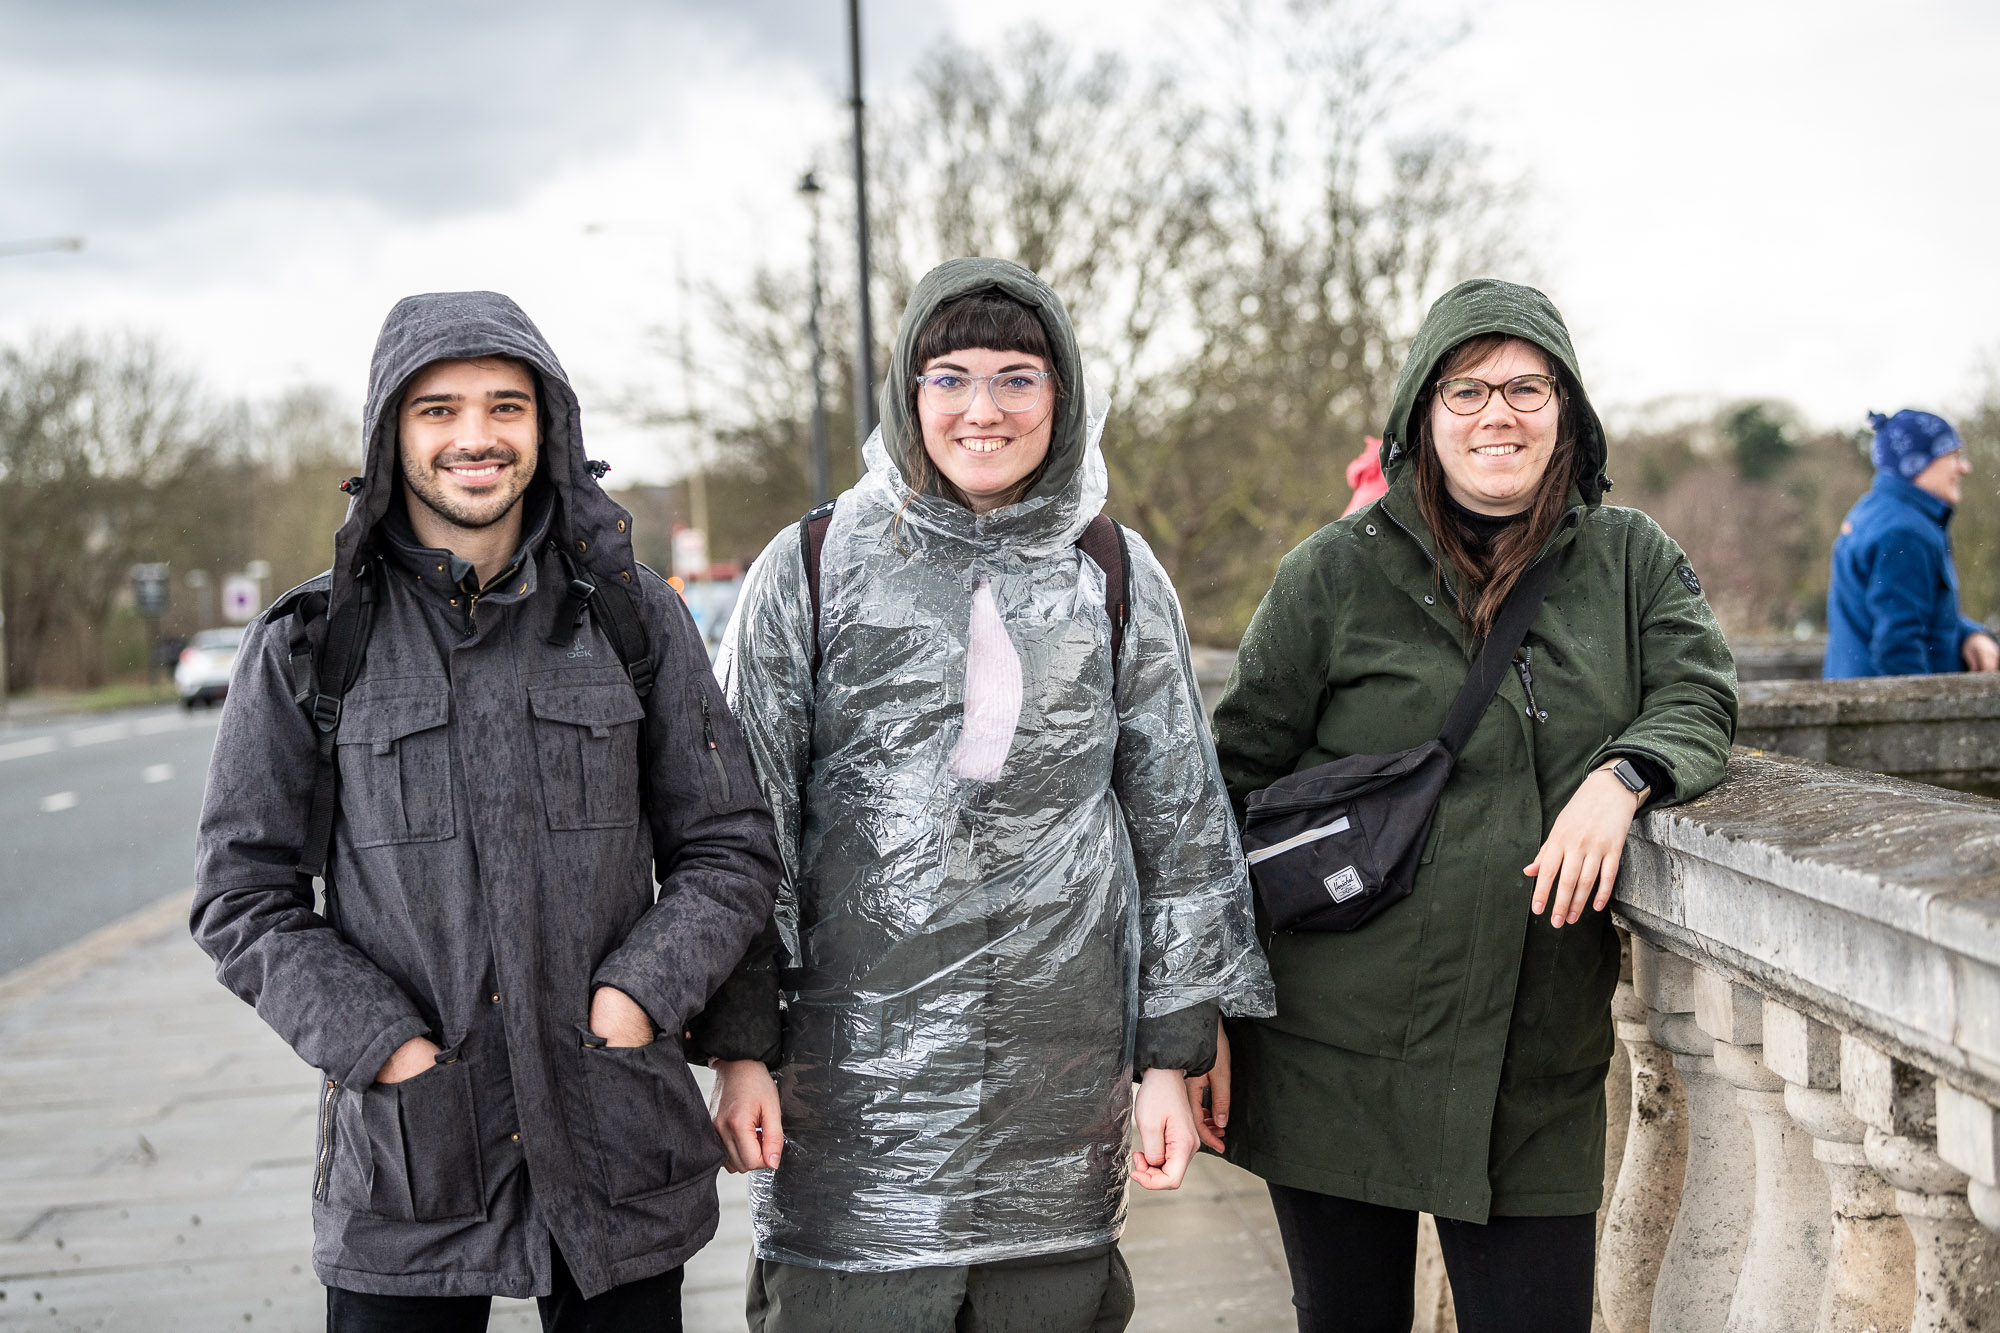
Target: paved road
column 97, row 818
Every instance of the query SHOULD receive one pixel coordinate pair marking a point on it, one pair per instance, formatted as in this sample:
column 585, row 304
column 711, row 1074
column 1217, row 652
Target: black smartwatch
column 1628, row 773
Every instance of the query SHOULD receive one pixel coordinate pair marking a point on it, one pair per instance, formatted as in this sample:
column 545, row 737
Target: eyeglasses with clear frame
column 952, row 391
column 1524, row 393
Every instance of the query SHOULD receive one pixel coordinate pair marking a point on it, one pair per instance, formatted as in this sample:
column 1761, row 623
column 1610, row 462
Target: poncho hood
column 1072, row 487
column 1481, row 306
column 457, row 326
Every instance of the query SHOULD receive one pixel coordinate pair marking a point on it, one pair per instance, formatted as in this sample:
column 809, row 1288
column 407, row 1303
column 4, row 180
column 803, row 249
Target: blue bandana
column 1910, row 441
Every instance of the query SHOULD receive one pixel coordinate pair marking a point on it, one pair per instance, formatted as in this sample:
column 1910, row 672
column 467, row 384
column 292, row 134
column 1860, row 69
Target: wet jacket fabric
column 965, row 965
column 1892, row 603
column 493, row 862
column 1450, row 1055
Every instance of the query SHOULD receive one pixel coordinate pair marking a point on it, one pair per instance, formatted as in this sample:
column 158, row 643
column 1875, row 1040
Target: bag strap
column 1102, row 540
column 335, row 666
column 812, row 540
column 616, row 608
column 1490, row 667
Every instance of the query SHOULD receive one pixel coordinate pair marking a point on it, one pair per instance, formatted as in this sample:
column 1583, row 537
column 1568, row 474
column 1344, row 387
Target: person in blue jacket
column 1892, row 607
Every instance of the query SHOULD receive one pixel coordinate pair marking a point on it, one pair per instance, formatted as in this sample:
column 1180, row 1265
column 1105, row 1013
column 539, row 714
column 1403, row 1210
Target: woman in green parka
column 1449, row 1057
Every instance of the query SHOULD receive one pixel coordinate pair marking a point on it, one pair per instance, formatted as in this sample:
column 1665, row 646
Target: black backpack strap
column 334, row 668
column 1104, row 542
column 628, row 635
column 812, row 540
column 1490, row 667
column 304, row 679
column 617, row 613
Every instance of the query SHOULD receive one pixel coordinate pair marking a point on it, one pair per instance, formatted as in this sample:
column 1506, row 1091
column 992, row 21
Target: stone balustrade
column 1812, row 1024
column 1943, row 730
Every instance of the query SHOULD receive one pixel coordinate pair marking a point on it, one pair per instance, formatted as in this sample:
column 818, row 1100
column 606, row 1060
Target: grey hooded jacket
column 493, row 862
column 965, row 964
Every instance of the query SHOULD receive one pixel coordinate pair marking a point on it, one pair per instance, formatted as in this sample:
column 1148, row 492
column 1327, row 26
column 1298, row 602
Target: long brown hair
column 977, row 319
column 1485, row 577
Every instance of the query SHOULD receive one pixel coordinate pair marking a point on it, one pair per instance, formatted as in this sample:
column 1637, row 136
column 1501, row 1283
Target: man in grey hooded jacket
column 483, row 985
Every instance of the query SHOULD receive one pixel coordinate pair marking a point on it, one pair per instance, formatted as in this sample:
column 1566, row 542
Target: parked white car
column 202, row 674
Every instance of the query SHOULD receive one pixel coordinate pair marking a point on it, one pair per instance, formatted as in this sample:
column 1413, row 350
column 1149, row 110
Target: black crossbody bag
column 1332, row 847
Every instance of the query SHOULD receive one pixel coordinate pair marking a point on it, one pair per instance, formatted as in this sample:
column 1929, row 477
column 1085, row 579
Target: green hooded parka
column 1450, row 1056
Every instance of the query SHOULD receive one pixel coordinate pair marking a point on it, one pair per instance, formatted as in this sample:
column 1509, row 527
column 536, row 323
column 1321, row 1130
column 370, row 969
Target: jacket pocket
column 409, row 1150
column 1352, row 989
column 652, row 1129
column 395, row 765
column 587, row 742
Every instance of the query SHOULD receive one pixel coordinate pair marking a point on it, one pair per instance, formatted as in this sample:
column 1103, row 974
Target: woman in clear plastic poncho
column 1013, row 882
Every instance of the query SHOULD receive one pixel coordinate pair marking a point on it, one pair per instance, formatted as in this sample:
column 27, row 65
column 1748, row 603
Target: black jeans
column 1354, row 1267
column 650, row 1305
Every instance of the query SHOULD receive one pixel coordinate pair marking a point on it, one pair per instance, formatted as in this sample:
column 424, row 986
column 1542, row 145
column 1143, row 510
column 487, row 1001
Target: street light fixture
column 39, row 244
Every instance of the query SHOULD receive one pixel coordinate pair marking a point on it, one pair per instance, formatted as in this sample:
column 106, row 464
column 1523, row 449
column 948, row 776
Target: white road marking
column 153, row 726
column 110, row 731
column 33, row 745
column 156, row 773
column 62, row 800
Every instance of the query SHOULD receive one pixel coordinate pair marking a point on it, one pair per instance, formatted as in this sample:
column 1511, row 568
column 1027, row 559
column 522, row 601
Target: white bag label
column 1343, row 884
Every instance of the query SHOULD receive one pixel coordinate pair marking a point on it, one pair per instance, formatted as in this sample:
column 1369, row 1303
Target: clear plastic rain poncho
column 965, row 961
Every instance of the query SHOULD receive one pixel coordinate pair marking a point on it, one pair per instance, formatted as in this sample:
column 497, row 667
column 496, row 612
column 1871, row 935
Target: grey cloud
column 146, row 110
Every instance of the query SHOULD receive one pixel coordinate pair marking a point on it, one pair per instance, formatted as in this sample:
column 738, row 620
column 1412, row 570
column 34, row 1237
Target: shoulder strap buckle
column 326, row 711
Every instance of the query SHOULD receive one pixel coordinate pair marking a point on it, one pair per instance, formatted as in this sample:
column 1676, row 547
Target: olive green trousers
column 1061, row 1293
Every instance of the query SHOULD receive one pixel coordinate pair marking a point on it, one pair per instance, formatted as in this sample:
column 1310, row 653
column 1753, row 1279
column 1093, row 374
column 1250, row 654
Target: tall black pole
column 864, row 352
column 822, row 481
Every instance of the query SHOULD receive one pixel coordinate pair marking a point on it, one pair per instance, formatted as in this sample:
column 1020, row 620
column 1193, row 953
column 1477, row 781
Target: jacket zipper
column 320, row 1168
column 1533, row 709
column 1444, row 575
column 715, row 755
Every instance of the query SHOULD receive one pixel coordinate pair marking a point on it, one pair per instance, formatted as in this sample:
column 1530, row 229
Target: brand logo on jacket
column 1344, row 884
column 579, row 648
column 1686, row 573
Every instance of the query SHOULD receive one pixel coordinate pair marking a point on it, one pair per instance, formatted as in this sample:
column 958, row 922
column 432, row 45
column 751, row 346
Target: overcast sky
column 1782, row 200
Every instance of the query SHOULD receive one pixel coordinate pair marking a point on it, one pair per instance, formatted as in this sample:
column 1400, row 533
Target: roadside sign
column 690, row 552
column 150, row 589
column 240, row 599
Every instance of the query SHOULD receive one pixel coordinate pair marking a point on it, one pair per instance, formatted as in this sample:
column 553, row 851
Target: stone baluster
column 1784, row 1260
column 1641, row 1210
column 1712, row 1226
column 1871, row 1274
column 1957, row 1260
column 1969, row 1138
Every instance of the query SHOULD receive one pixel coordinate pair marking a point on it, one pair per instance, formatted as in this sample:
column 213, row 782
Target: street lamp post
column 822, row 482
column 864, row 352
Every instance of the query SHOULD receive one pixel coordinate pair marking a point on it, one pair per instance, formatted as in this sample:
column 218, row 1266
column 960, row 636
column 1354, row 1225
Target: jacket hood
column 965, row 277
column 1071, row 489
column 454, row 326
column 1480, row 306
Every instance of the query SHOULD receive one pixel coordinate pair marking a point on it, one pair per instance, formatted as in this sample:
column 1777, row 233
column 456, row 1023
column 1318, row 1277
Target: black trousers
column 1354, row 1267
column 650, row 1305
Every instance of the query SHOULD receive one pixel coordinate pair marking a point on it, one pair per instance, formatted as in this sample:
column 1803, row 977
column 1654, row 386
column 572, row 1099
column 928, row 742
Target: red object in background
column 1364, row 474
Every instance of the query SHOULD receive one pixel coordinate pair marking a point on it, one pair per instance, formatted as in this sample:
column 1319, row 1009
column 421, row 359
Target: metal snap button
column 1370, row 529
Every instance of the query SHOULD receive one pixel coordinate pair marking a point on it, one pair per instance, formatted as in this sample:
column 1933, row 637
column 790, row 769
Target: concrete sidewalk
column 156, row 1159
